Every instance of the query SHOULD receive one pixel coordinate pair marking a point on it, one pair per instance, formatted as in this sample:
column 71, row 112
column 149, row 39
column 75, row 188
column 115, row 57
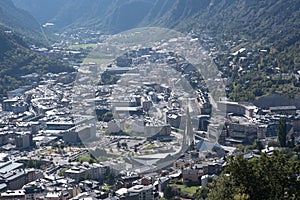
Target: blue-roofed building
column 204, row 146
column 9, row 166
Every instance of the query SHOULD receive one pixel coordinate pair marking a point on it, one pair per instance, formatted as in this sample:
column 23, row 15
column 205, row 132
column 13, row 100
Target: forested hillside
column 20, row 22
column 16, row 60
column 18, row 29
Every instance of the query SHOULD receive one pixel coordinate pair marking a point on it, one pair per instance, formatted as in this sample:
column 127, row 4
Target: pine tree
column 282, row 132
column 267, row 177
column 168, row 193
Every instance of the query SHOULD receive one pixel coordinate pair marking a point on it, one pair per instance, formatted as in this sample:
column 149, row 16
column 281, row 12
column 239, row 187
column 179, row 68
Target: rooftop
column 8, row 166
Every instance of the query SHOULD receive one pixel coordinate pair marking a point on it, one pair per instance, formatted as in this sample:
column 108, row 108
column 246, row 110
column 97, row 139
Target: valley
column 149, row 99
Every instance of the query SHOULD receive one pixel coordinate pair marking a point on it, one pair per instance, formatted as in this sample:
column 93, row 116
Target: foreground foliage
column 274, row 177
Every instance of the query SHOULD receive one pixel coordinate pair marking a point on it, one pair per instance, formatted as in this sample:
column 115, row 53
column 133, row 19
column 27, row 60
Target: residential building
column 143, row 192
column 13, row 195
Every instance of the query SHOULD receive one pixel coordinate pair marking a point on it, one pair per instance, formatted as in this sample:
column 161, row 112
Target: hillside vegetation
column 20, row 22
column 272, row 25
column 16, row 60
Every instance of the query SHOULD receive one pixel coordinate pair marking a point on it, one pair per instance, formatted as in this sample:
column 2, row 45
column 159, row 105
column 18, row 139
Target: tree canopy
column 267, row 177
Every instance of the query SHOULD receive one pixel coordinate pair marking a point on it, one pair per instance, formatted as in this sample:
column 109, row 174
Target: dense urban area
column 96, row 104
column 146, row 138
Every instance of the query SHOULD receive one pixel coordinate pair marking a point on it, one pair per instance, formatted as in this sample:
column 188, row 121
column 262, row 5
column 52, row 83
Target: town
column 133, row 119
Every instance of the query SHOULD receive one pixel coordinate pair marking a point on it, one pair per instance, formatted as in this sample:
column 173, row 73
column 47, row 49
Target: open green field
column 190, row 190
column 82, row 46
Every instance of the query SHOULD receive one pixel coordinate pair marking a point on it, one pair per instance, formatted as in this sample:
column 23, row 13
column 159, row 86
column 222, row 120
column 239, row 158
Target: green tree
column 291, row 142
column 110, row 176
column 282, row 132
column 124, row 145
column 201, row 193
column 258, row 145
column 118, row 145
column 168, row 193
column 107, row 117
column 273, row 144
column 267, row 177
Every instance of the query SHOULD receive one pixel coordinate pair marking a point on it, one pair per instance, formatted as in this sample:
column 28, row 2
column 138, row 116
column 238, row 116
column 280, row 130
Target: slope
column 107, row 15
column 19, row 21
column 18, row 29
column 16, row 60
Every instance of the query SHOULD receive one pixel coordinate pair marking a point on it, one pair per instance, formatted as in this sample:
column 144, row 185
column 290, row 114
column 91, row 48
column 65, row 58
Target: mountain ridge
column 18, row 20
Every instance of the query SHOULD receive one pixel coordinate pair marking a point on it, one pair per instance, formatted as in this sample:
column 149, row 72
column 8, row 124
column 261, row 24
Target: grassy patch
column 82, row 46
column 86, row 159
column 191, row 190
column 150, row 146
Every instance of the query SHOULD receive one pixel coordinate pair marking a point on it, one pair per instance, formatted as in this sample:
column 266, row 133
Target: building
column 4, row 137
column 13, row 195
column 296, row 124
column 245, row 131
column 127, row 111
column 15, row 179
column 23, row 140
column 86, row 171
column 57, row 196
column 192, row 174
column 236, row 108
column 204, row 147
column 146, row 103
column 158, row 130
column 174, row 119
column 203, row 122
column 8, row 104
column 59, row 125
column 163, row 183
column 143, row 192
column 79, row 134
column 9, row 166
column 123, row 61
column 207, row 178
column 86, row 132
column 115, row 126
column 14, row 176
column 19, row 107
column 284, row 110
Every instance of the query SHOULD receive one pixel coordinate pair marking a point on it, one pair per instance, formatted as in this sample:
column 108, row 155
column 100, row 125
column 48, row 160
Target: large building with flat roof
column 9, row 166
column 284, row 110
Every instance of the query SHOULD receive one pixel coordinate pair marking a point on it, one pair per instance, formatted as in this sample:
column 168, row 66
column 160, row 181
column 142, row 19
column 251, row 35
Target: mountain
column 109, row 15
column 17, row 59
column 18, row 29
column 41, row 10
column 179, row 12
column 119, row 15
column 269, row 19
column 19, row 21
